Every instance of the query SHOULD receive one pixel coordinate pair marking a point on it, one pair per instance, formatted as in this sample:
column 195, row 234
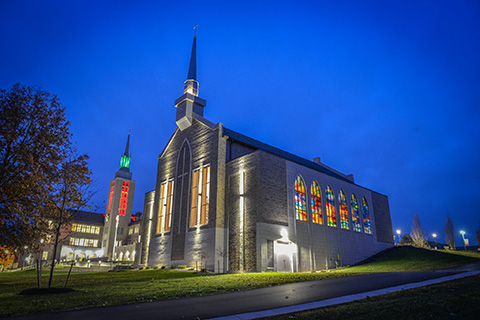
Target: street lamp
column 435, row 239
column 464, row 242
column 398, row 232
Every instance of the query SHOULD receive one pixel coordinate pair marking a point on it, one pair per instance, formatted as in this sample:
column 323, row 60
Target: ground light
column 435, row 239
column 464, row 240
column 398, row 232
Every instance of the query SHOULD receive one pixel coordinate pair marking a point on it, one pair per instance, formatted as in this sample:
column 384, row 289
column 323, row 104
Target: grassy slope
column 109, row 288
column 414, row 259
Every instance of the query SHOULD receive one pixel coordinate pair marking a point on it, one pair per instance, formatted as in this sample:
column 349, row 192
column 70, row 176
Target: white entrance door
column 284, row 256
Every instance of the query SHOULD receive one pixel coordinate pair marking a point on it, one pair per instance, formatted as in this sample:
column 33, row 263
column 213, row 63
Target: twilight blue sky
column 386, row 90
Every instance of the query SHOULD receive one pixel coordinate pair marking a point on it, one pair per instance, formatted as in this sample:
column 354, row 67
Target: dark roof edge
column 238, row 137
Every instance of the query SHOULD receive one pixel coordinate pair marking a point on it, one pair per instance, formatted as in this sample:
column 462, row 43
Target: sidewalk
column 282, row 299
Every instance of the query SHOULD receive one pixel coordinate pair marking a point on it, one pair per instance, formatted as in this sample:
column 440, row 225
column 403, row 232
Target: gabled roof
column 88, row 217
column 242, row 139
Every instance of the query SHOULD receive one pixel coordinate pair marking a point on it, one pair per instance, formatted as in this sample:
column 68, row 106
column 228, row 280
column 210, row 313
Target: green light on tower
column 125, row 162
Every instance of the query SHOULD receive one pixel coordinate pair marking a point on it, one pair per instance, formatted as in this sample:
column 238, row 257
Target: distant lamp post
column 464, row 240
column 435, row 239
column 398, row 232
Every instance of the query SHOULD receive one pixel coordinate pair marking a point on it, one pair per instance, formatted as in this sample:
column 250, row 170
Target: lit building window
column 316, row 200
column 355, row 216
column 110, row 199
column 83, row 242
column 85, row 228
column 342, row 207
column 330, row 206
column 366, row 217
column 123, row 199
column 200, row 196
column 166, row 206
column 300, row 199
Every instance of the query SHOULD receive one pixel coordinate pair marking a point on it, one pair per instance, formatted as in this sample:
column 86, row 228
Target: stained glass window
column 161, row 209
column 366, row 217
column 316, row 200
column 355, row 216
column 330, row 206
column 205, row 194
column 300, row 200
column 200, row 196
column 164, row 222
column 342, row 207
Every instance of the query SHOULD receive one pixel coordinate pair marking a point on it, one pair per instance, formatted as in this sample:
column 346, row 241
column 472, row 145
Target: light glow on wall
column 242, row 219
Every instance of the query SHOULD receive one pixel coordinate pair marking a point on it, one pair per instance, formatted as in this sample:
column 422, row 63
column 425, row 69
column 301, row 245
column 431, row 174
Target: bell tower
column 189, row 104
column 119, row 206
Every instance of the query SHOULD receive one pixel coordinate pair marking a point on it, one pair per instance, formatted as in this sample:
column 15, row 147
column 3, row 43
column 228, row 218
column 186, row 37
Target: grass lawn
column 413, row 259
column 95, row 289
column 457, row 299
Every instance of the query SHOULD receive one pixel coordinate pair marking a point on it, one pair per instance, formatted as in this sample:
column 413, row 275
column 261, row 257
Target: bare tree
column 417, row 235
column 478, row 233
column 449, row 233
column 70, row 194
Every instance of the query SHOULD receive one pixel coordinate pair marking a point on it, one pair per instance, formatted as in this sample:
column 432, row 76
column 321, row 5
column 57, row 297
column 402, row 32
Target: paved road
column 253, row 300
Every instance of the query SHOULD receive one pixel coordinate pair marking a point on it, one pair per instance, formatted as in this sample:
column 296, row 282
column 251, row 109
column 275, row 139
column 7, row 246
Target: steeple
column 191, row 84
column 192, row 70
column 189, row 105
column 125, row 159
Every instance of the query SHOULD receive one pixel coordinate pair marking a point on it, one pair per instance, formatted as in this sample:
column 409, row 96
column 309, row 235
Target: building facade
column 229, row 203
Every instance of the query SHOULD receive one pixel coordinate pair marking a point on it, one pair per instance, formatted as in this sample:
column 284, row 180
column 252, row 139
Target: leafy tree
column 417, row 235
column 40, row 173
column 406, row 240
column 449, row 233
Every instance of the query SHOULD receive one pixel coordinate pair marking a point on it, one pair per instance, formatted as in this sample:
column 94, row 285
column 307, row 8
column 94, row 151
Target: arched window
column 342, row 207
column 366, row 217
column 330, row 205
column 316, row 200
column 355, row 216
column 300, row 199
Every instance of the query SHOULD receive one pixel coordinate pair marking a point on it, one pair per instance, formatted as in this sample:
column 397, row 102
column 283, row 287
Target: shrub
column 163, row 267
column 141, row 268
column 173, row 267
column 147, row 267
column 182, row 267
column 155, row 267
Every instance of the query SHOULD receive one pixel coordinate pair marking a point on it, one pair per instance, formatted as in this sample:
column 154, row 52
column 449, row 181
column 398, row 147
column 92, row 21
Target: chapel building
column 228, row 203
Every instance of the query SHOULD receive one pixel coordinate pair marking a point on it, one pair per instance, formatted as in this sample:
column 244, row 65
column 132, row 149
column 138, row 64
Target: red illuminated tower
column 119, row 206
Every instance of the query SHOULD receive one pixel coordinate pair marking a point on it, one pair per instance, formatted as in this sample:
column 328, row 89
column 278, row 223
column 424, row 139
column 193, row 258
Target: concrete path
column 247, row 304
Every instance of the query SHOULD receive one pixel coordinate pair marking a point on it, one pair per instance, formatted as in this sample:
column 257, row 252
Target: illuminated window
column 330, row 206
column 316, row 200
column 85, row 228
column 200, row 196
column 300, row 199
column 168, row 212
column 342, row 207
column 123, row 199
column 110, row 199
column 355, row 217
column 366, row 217
column 164, row 222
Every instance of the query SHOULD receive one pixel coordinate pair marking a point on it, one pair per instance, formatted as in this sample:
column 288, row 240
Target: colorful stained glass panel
column 300, row 199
